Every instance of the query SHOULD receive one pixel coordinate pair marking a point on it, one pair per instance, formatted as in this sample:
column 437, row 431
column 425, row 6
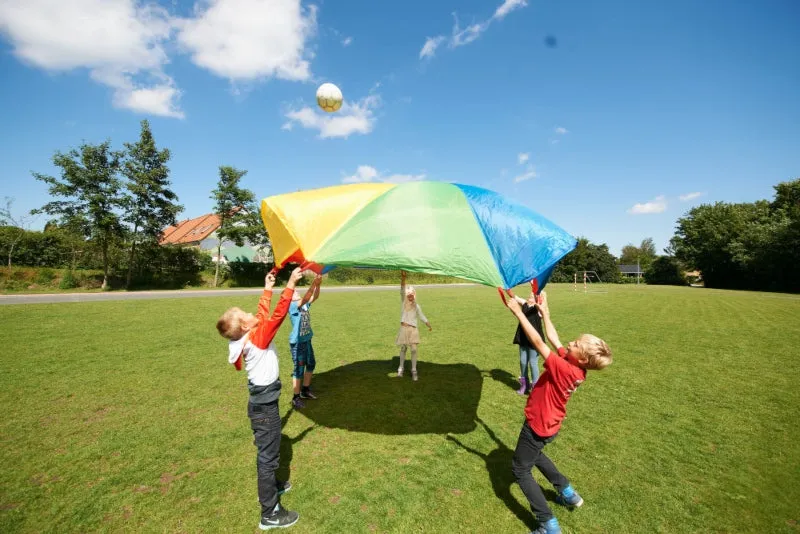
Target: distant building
column 631, row 271
column 201, row 232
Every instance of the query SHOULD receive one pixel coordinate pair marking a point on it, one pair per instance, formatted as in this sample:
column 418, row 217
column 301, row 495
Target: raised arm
column 311, row 292
column 549, row 329
column 318, row 280
column 265, row 332
column 266, row 298
column 534, row 337
column 402, row 286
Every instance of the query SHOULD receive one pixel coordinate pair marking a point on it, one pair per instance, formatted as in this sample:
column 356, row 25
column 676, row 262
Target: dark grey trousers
column 265, row 420
column 527, row 455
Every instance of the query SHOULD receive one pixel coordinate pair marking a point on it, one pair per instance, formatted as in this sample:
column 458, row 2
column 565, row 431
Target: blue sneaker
column 569, row 497
column 550, row 526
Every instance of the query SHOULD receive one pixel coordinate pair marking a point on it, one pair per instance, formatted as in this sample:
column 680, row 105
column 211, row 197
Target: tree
column 151, row 205
column 17, row 224
column 587, row 257
column 90, row 188
column 643, row 255
column 665, row 271
column 238, row 213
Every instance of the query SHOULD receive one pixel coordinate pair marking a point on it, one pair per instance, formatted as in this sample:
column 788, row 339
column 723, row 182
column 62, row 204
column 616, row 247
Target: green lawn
column 125, row 417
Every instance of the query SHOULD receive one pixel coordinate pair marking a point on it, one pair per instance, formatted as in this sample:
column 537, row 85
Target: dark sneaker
column 550, row 526
column 282, row 518
column 283, row 487
column 298, row 403
column 306, row 393
column 569, row 497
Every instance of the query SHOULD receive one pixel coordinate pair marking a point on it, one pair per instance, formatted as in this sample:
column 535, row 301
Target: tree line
column 110, row 209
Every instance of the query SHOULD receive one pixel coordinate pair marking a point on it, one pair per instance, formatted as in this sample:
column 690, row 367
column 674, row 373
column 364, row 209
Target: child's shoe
column 569, row 497
column 283, row 487
column 414, row 375
column 297, row 402
column 550, row 526
column 523, row 386
column 280, row 518
column 399, row 372
column 306, row 393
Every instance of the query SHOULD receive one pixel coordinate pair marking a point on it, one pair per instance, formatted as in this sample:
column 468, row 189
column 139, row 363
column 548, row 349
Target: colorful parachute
column 428, row 227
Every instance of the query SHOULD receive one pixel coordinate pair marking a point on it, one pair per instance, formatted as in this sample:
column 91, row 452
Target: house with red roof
column 201, row 232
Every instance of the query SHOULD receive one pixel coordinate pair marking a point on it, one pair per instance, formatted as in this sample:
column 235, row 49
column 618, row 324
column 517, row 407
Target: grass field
column 125, row 417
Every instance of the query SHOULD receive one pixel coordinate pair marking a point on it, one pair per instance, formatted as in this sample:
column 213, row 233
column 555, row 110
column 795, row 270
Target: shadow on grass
column 504, row 377
column 498, row 464
column 368, row 397
column 287, row 447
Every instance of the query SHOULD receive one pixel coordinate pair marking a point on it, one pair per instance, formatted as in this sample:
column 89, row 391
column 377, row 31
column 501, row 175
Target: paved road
column 178, row 294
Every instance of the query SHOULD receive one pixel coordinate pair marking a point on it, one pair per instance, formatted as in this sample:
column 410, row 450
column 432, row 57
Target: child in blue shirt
column 300, row 343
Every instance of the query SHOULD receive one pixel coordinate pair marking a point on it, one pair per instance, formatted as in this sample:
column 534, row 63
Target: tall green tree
column 587, row 257
column 238, row 213
column 90, row 190
column 643, row 255
column 151, row 205
column 728, row 243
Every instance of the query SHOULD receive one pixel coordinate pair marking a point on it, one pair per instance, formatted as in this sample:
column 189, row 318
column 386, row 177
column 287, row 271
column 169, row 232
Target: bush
column 68, row 281
column 45, row 276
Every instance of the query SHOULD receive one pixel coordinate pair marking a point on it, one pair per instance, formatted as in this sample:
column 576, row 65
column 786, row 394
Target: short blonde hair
column 596, row 351
column 230, row 324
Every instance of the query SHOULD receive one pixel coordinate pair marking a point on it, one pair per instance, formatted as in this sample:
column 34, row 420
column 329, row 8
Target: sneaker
column 281, row 518
column 283, row 487
column 523, row 385
column 569, row 497
column 414, row 376
column 400, row 372
column 298, row 403
column 550, row 526
column 306, row 393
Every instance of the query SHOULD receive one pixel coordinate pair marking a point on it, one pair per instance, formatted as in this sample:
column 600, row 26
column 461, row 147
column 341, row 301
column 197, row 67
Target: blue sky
column 610, row 118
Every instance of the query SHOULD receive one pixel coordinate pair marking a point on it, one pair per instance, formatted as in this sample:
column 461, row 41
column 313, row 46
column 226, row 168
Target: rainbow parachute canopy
column 427, row 227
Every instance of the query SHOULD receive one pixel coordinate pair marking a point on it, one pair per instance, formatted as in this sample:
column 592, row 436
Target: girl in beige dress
column 408, row 336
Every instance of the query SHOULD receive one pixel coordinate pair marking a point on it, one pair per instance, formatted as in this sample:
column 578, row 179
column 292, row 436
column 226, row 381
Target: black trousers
column 265, row 420
column 527, row 455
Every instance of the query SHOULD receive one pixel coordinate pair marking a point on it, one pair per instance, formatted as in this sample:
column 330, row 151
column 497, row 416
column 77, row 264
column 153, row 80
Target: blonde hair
column 596, row 351
column 230, row 324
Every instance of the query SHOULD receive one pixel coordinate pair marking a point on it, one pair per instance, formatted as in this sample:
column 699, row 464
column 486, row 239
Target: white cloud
column 367, row 173
column 529, row 174
column 467, row 35
column 251, row 39
column 347, row 41
column 351, row 118
column 463, row 36
column 430, row 46
column 523, row 157
column 364, row 173
column 690, row 196
column 508, row 6
column 120, row 42
column 657, row 205
column 561, row 130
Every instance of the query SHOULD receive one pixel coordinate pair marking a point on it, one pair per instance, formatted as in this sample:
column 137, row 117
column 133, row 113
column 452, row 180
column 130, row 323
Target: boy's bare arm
column 309, row 295
column 549, row 328
column 534, row 337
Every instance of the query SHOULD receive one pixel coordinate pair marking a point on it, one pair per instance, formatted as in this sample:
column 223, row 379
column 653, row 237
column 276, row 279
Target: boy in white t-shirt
column 252, row 346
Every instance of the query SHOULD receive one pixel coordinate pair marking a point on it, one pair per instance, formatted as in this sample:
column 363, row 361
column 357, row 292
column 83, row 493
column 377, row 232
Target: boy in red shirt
column 563, row 372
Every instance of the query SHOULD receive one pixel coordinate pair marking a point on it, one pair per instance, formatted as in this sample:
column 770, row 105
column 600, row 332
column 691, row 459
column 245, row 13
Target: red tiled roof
column 191, row 230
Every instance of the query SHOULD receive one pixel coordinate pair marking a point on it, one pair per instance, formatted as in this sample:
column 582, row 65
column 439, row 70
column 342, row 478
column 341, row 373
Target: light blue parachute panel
column 524, row 244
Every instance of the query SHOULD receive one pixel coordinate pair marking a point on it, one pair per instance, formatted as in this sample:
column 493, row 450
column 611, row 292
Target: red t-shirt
column 547, row 403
